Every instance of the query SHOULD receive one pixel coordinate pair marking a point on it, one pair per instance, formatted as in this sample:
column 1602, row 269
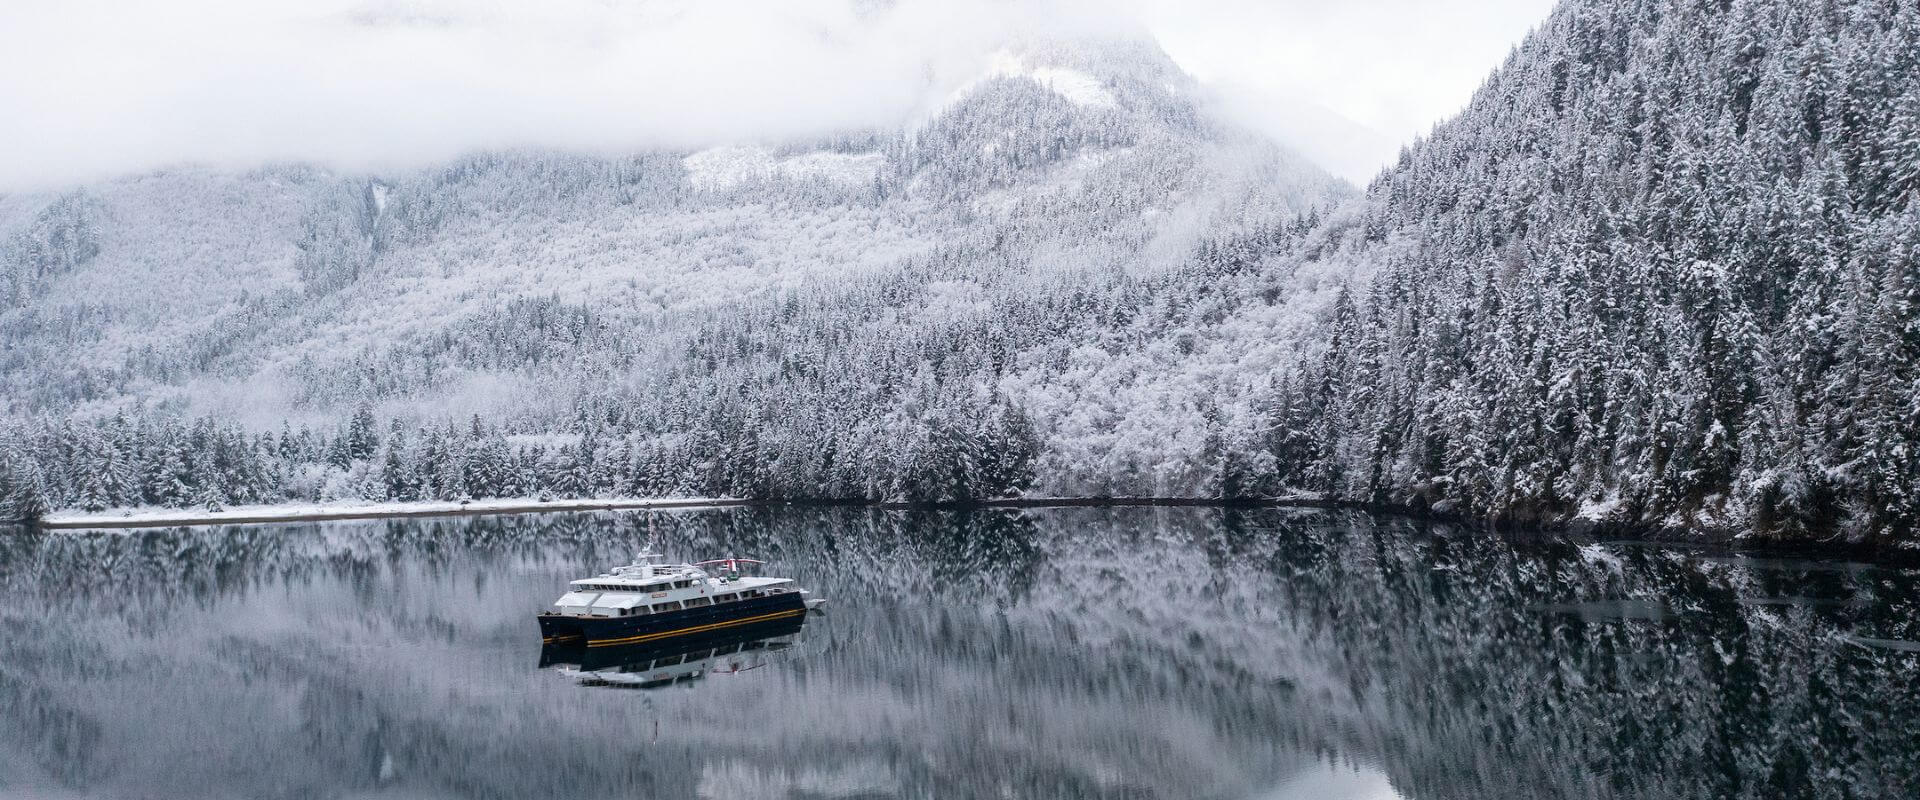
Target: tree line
column 208, row 465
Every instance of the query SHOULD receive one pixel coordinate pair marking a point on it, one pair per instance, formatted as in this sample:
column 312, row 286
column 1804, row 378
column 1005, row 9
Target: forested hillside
column 1667, row 270
column 1661, row 271
column 913, row 314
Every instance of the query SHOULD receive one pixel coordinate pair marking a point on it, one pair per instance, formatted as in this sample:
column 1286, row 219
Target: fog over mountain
column 94, row 90
column 385, row 84
column 932, row 292
column 1660, row 271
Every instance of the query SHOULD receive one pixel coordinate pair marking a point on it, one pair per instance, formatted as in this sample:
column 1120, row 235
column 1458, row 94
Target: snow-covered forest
column 1661, row 270
column 926, row 314
column 1667, row 269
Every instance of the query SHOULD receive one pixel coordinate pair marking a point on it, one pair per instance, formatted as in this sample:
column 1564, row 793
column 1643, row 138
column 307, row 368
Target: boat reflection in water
column 678, row 661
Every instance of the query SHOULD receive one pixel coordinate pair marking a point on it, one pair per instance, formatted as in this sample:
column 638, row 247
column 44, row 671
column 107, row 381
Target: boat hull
column 563, row 629
column 639, row 655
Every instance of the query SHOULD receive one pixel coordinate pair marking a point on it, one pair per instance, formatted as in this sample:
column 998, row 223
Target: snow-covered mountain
column 198, row 287
column 1663, row 270
column 667, row 298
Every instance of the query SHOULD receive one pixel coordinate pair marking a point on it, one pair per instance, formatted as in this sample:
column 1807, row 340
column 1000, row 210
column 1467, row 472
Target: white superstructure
column 648, row 586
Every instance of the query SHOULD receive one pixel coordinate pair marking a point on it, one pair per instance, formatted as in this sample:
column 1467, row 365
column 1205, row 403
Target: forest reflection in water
column 1152, row 653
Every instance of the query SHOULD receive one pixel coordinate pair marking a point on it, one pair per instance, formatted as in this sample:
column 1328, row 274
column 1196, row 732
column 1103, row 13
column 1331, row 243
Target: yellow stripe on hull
column 714, row 626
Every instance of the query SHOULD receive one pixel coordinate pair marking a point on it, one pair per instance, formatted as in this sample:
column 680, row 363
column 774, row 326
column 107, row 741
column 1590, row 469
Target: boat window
column 673, row 605
column 699, row 601
column 725, row 598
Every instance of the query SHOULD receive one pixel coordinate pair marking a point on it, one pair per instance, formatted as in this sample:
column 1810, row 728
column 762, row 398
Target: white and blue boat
column 650, row 602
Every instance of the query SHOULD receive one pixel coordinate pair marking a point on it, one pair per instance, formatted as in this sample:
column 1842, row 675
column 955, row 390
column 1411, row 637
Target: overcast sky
column 96, row 88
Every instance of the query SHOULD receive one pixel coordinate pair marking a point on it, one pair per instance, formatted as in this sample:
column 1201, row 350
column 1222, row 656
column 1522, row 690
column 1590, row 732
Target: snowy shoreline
column 151, row 517
column 1582, row 528
column 313, row 512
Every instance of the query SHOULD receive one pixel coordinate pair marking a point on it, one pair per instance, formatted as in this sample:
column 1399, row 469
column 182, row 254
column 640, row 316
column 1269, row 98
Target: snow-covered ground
column 155, row 517
column 728, row 166
column 511, row 289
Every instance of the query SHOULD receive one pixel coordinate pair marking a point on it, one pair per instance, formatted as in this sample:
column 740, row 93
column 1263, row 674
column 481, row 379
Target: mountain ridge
column 630, row 298
column 1660, row 272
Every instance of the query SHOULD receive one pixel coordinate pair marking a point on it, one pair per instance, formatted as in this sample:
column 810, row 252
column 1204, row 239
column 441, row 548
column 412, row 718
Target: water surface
column 1128, row 653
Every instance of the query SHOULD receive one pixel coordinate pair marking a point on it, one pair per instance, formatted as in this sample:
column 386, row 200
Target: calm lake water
column 1133, row 653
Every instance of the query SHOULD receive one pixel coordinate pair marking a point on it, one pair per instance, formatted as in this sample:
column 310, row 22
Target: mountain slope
column 889, row 297
column 1666, row 269
column 1663, row 270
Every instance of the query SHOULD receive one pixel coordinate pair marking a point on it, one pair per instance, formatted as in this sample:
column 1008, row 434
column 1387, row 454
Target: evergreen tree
column 361, row 439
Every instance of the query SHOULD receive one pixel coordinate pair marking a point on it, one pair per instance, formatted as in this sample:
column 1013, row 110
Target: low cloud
column 89, row 88
column 96, row 88
column 1348, row 82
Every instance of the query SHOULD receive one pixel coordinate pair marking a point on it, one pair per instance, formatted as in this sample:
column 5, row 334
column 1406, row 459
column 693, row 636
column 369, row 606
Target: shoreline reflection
column 1184, row 654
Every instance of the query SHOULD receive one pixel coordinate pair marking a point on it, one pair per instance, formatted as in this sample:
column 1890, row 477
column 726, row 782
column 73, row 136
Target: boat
column 649, row 602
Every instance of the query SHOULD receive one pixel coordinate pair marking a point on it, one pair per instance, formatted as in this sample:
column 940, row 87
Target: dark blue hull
column 562, row 629
column 640, row 656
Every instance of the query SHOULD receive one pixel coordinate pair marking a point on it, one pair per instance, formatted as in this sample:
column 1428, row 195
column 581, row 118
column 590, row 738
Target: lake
column 1085, row 652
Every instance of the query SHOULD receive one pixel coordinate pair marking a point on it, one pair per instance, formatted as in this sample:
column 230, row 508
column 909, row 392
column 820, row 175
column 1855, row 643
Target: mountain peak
column 1085, row 70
